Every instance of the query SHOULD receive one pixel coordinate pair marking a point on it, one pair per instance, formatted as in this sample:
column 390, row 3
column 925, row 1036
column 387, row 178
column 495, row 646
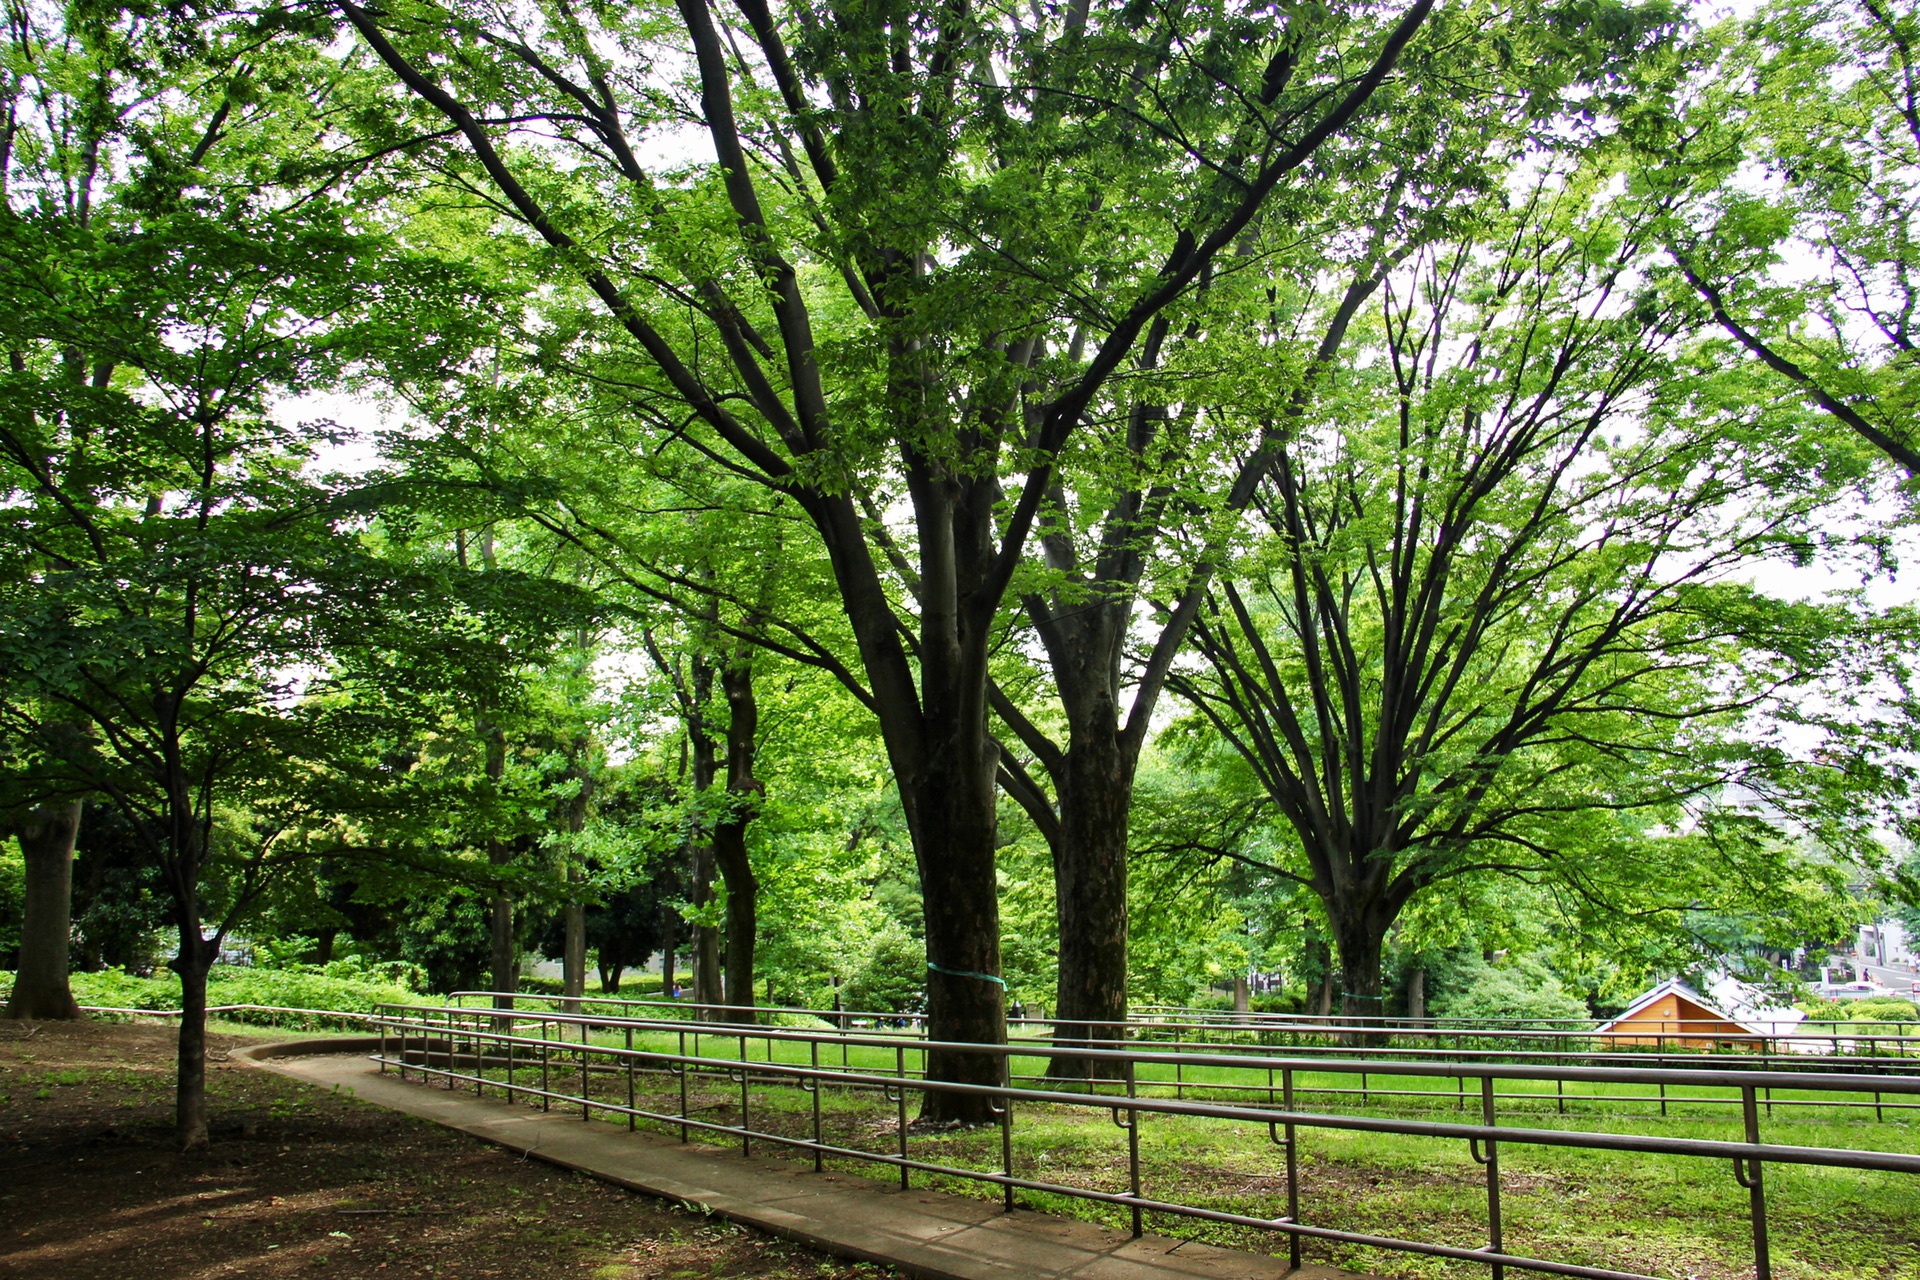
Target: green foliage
column 1523, row 987
column 347, row 986
column 13, row 896
column 1890, row 1009
column 891, row 976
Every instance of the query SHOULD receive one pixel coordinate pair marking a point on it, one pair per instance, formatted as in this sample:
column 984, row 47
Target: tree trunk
column 951, row 814
column 573, row 960
column 707, row 989
column 610, row 977
column 1362, row 1002
column 730, row 853
column 1416, row 993
column 323, row 940
column 1320, row 994
column 730, row 832
column 1242, row 999
column 40, row 986
column 669, row 957
column 1090, row 896
column 506, row 956
column 190, row 1084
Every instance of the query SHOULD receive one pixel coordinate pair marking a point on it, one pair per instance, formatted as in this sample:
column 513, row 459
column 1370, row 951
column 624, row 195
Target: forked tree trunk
column 40, row 986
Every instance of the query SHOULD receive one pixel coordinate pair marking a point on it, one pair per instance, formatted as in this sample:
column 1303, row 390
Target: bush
column 1522, row 988
column 1872, row 1009
column 892, row 978
column 345, row 986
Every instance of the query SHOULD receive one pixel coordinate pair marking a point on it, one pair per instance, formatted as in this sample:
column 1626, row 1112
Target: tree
column 1132, row 534
column 1497, row 623
column 888, row 311
column 173, row 566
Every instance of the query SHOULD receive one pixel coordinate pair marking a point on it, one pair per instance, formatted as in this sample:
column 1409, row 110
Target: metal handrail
column 482, row 1027
column 1836, row 1043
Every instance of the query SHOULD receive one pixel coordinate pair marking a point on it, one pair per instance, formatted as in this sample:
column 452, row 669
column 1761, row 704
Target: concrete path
column 922, row 1233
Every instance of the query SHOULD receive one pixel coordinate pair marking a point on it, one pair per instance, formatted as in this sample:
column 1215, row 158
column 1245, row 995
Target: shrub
column 892, row 978
column 1521, row 988
column 341, row 987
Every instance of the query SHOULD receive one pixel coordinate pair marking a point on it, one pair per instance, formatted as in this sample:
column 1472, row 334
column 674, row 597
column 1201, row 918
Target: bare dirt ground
column 307, row 1183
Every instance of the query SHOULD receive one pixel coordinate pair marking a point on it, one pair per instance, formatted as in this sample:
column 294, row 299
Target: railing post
column 900, row 1070
column 1492, row 1161
column 1006, row 1132
column 510, row 1054
column 631, row 1118
column 746, row 1143
column 546, row 1067
column 586, row 1081
column 383, row 1047
column 1293, row 1175
column 818, row 1161
column 1133, row 1149
column 1750, row 1177
column 684, row 1068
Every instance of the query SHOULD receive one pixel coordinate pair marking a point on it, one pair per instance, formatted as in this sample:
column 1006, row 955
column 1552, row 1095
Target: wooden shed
column 1675, row 1016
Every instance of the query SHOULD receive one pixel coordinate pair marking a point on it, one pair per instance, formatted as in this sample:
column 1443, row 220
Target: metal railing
column 1042, row 1038
column 460, row 1045
column 1687, row 1038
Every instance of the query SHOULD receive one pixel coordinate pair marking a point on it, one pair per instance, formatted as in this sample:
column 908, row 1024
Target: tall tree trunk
column 505, row 971
column 1417, row 993
column 505, row 978
column 707, row 989
column 1090, row 895
column 730, row 832
column 669, row 954
column 573, row 958
column 190, row 1083
column 951, row 815
column 1242, row 999
column 40, row 986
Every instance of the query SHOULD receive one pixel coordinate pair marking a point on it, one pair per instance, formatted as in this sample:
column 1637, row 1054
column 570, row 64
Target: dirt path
column 303, row 1182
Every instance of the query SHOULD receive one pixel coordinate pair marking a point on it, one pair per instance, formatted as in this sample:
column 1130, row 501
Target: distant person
column 676, row 991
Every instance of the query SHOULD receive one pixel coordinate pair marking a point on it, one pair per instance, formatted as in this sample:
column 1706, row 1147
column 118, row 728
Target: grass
column 1677, row 1216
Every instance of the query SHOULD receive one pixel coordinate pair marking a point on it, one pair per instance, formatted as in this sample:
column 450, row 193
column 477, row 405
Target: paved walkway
column 922, row 1233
